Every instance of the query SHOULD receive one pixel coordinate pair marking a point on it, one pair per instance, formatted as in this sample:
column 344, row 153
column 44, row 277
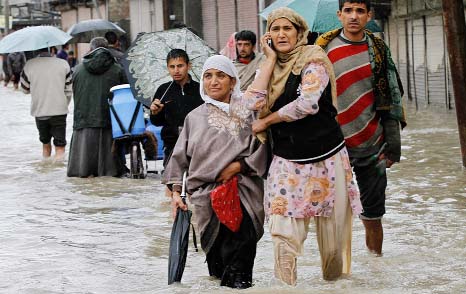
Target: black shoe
column 237, row 281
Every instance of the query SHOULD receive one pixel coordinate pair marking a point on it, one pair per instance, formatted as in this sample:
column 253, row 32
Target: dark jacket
column 16, row 62
column 315, row 137
column 117, row 54
column 92, row 80
column 178, row 103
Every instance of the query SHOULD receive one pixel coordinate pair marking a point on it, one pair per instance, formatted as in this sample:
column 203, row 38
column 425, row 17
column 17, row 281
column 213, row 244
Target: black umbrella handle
column 194, row 237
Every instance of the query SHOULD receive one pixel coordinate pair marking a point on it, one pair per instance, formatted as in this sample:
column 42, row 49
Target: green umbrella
column 33, row 38
column 321, row 15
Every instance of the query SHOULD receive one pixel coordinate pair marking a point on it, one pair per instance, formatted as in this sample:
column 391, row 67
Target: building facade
column 213, row 20
column 416, row 35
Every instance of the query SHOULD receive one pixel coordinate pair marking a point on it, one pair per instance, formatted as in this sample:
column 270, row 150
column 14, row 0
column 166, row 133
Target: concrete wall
column 145, row 16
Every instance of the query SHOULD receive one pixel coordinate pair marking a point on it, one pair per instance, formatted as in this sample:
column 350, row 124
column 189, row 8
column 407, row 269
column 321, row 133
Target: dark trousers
column 231, row 258
column 372, row 187
column 53, row 127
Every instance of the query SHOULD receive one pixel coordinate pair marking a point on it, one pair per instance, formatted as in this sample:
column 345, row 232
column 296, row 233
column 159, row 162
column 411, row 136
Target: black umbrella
column 145, row 61
column 179, row 241
column 84, row 31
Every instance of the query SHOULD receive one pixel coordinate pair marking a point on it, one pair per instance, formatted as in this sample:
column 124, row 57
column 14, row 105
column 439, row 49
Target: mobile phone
column 269, row 42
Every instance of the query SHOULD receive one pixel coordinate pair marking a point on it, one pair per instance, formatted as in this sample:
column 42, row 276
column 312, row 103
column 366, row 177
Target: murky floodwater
column 107, row 235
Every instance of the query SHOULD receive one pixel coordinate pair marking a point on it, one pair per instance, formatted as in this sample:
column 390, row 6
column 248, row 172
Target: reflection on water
column 107, row 235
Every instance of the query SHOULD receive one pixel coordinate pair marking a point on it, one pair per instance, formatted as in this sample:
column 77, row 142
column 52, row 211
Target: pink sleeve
column 314, row 80
column 252, row 98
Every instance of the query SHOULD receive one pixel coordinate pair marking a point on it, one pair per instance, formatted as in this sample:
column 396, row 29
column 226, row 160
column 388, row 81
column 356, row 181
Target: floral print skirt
column 307, row 190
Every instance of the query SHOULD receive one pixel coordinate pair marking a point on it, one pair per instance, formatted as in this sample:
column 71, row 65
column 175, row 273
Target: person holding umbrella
column 310, row 174
column 114, row 45
column 174, row 100
column 223, row 159
column 50, row 97
column 91, row 143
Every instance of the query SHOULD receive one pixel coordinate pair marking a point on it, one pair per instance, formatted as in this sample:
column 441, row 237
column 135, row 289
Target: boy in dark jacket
column 174, row 100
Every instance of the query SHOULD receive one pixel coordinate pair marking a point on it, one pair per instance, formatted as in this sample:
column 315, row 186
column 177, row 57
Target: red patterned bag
column 227, row 205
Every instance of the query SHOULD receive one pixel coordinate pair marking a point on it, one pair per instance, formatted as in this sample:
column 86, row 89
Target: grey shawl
column 247, row 72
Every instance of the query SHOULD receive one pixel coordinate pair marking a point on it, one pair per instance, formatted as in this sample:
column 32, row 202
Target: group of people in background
column 287, row 128
column 88, row 83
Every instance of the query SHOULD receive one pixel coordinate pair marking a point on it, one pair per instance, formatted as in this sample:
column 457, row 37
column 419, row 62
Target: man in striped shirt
column 372, row 133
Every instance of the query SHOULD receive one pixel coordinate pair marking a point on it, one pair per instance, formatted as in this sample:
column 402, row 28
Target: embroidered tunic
column 210, row 140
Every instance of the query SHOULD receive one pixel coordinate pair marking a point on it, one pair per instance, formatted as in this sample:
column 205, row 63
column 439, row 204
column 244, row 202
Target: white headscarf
column 222, row 63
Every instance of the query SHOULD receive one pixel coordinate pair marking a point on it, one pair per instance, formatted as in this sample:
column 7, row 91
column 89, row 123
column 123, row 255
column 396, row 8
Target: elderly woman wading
column 310, row 174
column 216, row 147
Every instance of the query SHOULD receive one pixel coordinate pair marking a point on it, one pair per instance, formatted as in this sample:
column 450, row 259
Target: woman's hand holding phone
column 267, row 46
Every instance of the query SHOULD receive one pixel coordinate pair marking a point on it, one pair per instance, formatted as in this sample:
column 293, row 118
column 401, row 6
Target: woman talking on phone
column 310, row 173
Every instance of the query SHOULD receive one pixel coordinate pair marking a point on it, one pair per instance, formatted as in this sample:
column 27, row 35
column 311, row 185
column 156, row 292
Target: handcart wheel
column 137, row 168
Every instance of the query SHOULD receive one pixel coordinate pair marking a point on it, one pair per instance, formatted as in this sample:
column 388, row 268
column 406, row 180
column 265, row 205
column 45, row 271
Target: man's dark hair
column 177, row 53
column 179, row 25
column 111, row 38
column 367, row 2
column 246, row 35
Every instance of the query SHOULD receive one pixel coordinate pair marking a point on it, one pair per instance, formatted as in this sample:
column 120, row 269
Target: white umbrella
column 33, row 38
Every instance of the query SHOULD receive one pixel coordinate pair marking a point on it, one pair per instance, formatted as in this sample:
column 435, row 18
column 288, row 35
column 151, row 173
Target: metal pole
column 426, row 61
column 446, row 69
column 413, row 57
column 408, row 62
column 6, row 12
column 455, row 29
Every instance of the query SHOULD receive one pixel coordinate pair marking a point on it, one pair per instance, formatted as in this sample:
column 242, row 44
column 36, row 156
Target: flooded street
column 110, row 235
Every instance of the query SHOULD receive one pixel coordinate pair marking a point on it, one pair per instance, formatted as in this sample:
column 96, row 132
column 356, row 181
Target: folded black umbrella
column 179, row 241
column 178, row 246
